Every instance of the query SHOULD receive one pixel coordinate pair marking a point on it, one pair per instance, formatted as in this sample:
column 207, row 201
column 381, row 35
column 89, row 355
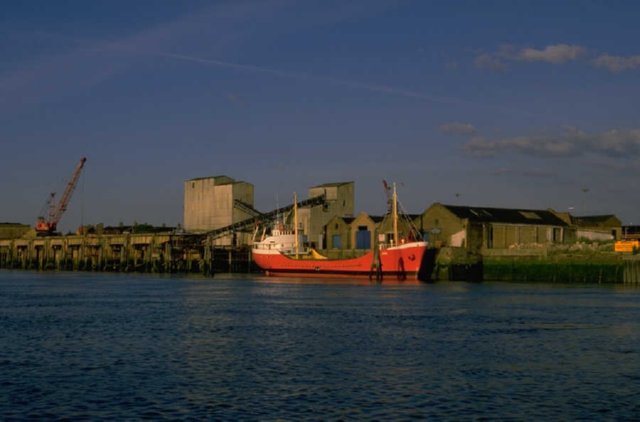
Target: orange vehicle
column 627, row 246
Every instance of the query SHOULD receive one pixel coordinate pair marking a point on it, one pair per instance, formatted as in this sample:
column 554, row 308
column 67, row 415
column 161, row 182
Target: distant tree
column 142, row 228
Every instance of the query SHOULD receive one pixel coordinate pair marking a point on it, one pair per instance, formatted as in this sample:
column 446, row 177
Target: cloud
column 616, row 64
column 615, row 143
column 556, row 54
column 458, row 128
column 488, row 61
column 618, row 142
column 500, row 59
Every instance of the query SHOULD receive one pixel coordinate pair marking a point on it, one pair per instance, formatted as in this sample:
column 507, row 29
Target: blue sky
column 496, row 103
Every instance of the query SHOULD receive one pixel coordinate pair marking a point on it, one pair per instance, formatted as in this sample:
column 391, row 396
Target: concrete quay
column 144, row 252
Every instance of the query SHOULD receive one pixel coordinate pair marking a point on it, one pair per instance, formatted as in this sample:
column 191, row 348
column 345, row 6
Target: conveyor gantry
column 258, row 216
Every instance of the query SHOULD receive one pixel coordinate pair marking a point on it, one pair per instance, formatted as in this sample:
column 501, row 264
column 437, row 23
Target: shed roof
column 331, row 185
column 596, row 220
column 506, row 215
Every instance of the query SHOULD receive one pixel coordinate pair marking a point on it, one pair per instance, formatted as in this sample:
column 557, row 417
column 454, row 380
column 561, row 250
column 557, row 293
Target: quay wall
column 159, row 253
column 538, row 265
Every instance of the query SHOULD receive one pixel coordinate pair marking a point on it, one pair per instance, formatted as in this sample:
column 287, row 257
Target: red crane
column 48, row 225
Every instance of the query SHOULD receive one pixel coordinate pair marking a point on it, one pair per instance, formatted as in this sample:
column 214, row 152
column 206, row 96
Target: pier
column 155, row 253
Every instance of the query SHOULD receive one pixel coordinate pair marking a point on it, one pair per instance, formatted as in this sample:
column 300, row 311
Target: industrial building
column 338, row 202
column 483, row 228
column 211, row 203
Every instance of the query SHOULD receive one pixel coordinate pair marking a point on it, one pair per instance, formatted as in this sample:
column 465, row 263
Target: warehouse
column 478, row 228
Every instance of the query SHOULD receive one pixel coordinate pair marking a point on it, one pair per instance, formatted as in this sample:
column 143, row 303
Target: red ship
column 284, row 254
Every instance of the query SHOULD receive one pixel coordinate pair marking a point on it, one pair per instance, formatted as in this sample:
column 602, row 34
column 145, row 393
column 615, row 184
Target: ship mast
column 295, row 222
column 394, row 210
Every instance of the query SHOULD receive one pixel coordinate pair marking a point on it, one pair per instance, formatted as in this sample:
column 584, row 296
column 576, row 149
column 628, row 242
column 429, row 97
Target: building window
column 530, row 215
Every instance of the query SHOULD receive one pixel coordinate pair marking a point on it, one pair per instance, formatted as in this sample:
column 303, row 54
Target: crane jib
column 56, row 210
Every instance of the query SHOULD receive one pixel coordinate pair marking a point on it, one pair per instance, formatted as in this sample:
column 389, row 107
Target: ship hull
column 400, row 262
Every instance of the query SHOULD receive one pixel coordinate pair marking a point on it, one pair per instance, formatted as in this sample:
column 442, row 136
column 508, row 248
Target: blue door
column 363, row 239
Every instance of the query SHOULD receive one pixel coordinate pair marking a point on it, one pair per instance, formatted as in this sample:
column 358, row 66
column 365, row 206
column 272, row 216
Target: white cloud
column 617, row 64
column 571, row 143
column 500, row 59
column 522, row 144
column 618, row 142
column 556, row 54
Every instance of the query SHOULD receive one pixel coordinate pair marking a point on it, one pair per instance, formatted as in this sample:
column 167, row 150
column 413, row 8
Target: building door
column 363, row 238
column 337, row 241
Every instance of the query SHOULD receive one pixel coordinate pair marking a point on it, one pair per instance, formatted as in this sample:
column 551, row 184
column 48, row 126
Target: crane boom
column 56, row 210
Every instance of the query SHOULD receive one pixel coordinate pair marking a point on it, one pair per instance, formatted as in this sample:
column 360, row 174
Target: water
column 104, row 346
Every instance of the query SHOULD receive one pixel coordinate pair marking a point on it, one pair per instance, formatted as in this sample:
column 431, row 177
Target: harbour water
column 121, row 346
